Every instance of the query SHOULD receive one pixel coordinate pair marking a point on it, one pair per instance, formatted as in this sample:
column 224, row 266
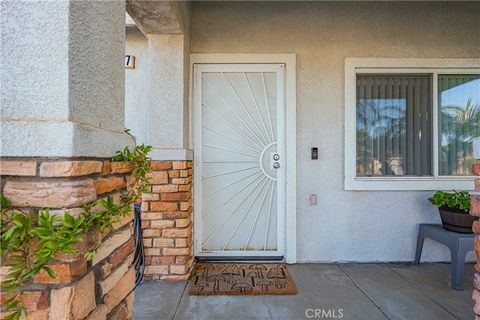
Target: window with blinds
column 459, row 122
column 394, row 125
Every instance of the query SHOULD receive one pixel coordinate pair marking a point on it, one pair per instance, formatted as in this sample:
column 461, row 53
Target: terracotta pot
column 456, row 220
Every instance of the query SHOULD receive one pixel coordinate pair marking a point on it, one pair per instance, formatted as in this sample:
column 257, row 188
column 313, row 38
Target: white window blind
column 459, row 122
column 394, row 126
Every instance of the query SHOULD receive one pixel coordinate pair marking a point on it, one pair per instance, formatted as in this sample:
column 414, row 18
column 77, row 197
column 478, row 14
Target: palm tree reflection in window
column 459, row 100
column 394, row 128
column 381, row 136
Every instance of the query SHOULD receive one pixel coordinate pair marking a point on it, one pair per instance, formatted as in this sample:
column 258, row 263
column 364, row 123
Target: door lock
column 276, row 157
column 276, row 165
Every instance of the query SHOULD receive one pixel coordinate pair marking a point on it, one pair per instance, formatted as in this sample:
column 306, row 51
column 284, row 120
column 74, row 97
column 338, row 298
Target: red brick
column 147, row 242
column 18, row 168
column 476, row 281
column 104, row 185
column 130, row 182
column 175, row 277
column 185, row 205
column 174, row 174
column 120, row 167
column 176, row 196
column 156, row 270
column 476, row 299
column 69, row 168
column 150, row 197
column 105, row 269
column 161, row 224
column 151, row 215
column 61, row 194
column 476, row 226
column 112, row 243
column 475, row 205
column 476, row 169
column 162, row 260
column 123, row 220
column 181, row 259
column 182, row 242
column 173, row 233
column 477, row 251
column 151, row 233
column 163, row 242
column 152, row 251
column 75, row 301
column 36, row 300
column 161, row 165
column 129, row 300
column 145, row 224
column 158, row 177
column 89, row 240
column 178, row 269
column 176, row 251
column 180, row 165
column 122, row 253
column 181, row 223
column 184, row 173
column 185, row 187
column 119, row 313
column 182, row 180
column 163, row 206
column 177, row 214
column 121, row 290
column 65, row 272
column 106, row 168
column 165, row 188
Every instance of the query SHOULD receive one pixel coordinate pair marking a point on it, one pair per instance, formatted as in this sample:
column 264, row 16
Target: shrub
column 454, row 200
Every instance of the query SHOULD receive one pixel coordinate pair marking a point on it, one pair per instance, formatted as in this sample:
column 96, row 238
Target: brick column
column 81, row 290
column 167, row 221
column 475, row 211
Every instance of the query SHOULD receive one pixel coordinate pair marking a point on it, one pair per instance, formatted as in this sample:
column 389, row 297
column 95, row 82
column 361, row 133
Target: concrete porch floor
column 363, row 291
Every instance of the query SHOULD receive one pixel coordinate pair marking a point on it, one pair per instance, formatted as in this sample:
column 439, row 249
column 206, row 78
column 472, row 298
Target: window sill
column 409, row 183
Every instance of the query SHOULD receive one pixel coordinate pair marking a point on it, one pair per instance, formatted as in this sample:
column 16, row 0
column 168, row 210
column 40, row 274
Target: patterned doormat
column 241, row 279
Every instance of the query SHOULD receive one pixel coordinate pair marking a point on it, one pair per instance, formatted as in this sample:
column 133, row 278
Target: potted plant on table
column 454, row 209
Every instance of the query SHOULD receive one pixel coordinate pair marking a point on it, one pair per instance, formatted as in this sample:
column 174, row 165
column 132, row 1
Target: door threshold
column 259, row 259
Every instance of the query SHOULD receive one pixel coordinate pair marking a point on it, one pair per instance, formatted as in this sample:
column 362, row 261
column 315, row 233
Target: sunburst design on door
column 240, row 161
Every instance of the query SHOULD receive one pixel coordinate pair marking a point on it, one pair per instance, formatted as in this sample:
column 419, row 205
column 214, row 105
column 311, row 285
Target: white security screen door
column 239, row 159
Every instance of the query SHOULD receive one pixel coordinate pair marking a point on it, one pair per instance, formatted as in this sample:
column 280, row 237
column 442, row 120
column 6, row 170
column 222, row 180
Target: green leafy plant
column 454, row 200
column 30, row 240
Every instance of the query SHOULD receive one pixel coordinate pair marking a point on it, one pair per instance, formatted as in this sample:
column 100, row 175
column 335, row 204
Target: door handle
column 276, row 165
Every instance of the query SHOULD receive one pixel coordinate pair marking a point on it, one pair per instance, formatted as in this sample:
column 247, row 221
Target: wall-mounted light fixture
column 476, row 148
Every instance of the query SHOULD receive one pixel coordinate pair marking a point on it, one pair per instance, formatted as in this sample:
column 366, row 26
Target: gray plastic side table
column 458, row 243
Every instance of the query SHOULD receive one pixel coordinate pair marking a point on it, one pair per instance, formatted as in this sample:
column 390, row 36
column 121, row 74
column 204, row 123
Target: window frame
column 434, row 67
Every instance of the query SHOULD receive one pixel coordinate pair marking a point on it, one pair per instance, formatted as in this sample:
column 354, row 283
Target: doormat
column 241, row 279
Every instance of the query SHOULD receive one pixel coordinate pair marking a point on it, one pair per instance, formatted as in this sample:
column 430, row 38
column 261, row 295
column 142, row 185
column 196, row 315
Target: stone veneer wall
column 82, row 290
column 475, row 211
column 167, row 221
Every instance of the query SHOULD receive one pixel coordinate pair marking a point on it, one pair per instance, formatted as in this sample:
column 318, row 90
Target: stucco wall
column 345, row 226
column 136, row 84
column 23, row 57
column 158, row 86
column 95, row 56
column 62, row 88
